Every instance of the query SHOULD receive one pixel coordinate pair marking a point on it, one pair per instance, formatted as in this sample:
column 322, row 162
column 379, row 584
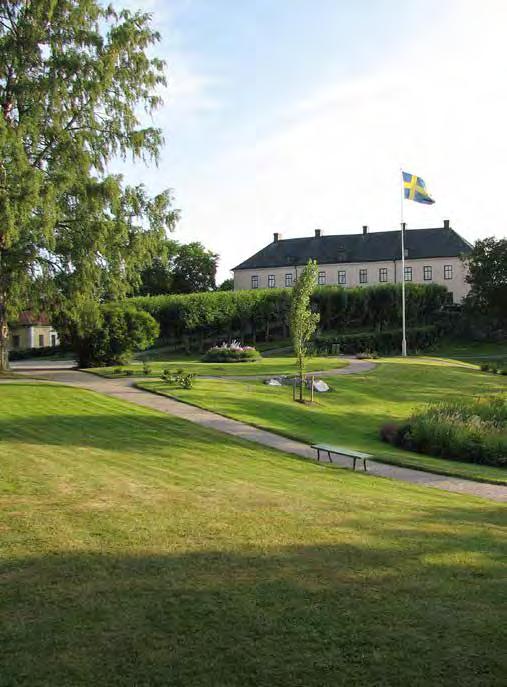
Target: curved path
column 125, row 390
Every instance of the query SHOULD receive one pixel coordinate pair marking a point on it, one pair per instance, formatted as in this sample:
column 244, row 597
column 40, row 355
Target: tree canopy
column 74, row 76
column 182, row 268
column 487, row 275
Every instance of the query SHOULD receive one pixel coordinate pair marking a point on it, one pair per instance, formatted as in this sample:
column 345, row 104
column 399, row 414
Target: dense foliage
column 74, row 77
column 121, row 330
column 264, row 313
column 487, row 275
column 180, row 268
column 470, row 430
column 385, row 342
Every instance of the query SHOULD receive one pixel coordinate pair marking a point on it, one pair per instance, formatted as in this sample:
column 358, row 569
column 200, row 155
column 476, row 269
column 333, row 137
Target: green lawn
column 272, row 365
column 353, row 412
column 137, row 549
column 474, row 351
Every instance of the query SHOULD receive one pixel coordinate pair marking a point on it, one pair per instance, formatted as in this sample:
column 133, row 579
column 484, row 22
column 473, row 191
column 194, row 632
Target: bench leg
column 318, row 454
column 354, row 465
column 329, row 456
column 364, row 464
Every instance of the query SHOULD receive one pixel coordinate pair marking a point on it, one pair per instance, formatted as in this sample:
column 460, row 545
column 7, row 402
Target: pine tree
column 73, row 77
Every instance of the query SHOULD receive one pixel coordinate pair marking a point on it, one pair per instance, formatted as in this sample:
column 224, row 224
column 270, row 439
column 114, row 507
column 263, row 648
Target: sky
column 290, row 115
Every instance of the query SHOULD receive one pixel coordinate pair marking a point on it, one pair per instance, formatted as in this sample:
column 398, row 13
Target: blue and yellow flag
column 415, row 189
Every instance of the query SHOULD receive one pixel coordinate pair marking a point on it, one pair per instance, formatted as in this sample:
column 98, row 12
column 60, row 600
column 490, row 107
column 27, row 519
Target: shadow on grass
column 328, row 615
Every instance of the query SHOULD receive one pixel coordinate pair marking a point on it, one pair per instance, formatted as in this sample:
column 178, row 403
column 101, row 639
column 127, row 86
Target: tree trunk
column 301, row 377
column 4, row 340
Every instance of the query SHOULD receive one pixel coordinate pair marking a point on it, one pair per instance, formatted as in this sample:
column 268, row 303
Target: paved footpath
column 124, row 389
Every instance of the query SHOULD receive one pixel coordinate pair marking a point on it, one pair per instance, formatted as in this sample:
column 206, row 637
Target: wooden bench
column 340, row 451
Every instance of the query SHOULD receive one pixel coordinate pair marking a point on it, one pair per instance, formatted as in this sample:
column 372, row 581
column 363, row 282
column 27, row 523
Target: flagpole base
column 404, row 348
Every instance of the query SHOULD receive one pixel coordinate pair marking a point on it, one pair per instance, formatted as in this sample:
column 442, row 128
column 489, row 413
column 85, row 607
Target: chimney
column 365, row 229
column 318, row 233
column 447, row 224
column 276, row 237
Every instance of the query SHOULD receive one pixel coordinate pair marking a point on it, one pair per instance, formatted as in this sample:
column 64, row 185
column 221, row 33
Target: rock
column 273, row 382
column 320, row 386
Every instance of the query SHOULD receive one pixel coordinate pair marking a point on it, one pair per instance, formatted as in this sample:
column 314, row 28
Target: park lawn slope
column 140, row 549
column 355, row 409
column 273, row 365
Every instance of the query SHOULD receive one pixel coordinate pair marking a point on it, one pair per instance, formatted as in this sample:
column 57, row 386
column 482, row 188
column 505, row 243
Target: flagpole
column 403, row 327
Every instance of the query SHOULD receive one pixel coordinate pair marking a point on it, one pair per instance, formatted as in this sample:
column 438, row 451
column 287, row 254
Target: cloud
column 436, row 106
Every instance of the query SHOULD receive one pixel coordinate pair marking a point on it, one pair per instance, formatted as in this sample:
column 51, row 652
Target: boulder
column 273, row 382
column 320, row 386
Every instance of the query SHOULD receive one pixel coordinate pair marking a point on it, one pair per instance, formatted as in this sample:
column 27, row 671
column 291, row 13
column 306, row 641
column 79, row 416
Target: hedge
column 214, row 317
column 384, row 342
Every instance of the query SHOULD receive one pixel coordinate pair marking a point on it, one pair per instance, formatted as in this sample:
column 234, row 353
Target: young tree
column 73, row 76
column 226, row 285
column 487, row 275
column 303, row 321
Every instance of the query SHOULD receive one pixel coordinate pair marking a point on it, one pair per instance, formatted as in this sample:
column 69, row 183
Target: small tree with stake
column 303, row 321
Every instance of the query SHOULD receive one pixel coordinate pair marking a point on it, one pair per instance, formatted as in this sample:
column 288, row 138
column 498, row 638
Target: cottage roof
column 28, row 317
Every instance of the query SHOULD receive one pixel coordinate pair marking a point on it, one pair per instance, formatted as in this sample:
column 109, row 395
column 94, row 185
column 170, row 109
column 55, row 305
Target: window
column 255, row 281
column 322, row 278
column 53, row 339
column 342, row 277
column 382, row 274
column 16, row 341
column 427, row 273
column 288, row 279
column 41, row 340
column 363, row 276
column 408, row 274
column 271, row 281
column 447, row 271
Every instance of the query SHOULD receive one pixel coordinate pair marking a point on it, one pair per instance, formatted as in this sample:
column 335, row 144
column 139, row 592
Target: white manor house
column 431, row 256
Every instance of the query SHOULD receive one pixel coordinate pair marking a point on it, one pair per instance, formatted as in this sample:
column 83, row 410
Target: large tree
column 487, row 276
column 74, row 76
column 181, row 268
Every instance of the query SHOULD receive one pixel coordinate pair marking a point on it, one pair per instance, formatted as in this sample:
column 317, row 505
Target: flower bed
column 474, row 431
column 231, row 353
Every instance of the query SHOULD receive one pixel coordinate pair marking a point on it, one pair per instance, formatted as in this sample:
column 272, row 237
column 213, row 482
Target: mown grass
column 474, row 351
column 355, row 409
column 273, row 365
column 137, row 549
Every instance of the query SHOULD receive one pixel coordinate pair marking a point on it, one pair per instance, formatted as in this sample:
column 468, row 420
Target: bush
column 382, row 342
column 183, row 379
column 121, row 330
column 42, row 352
column 231, row 353
column 473, row 431
column 196, row 318
column 147, row 370
column 484, row 367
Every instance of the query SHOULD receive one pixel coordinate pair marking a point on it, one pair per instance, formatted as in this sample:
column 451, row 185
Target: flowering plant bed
column 231, row 353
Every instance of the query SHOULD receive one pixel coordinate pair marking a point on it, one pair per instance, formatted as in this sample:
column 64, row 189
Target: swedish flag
column 415, row 189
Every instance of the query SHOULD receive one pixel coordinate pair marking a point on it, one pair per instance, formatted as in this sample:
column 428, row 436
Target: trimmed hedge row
column 384, row 342
column 265, row 312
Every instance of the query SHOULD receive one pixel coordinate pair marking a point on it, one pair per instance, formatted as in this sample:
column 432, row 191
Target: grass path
column 137, row 548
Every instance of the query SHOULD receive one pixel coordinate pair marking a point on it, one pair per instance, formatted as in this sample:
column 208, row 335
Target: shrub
column 231, row 353
column 213, row 316
column 121, row 330
column 484, row 367
column 147, row 370
column 118, row 371
column 468, row 430
column 383, row 342
column 181, row 378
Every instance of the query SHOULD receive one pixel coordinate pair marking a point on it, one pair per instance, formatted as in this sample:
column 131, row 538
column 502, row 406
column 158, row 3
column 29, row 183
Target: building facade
column 431, row 256
column 32, row 331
